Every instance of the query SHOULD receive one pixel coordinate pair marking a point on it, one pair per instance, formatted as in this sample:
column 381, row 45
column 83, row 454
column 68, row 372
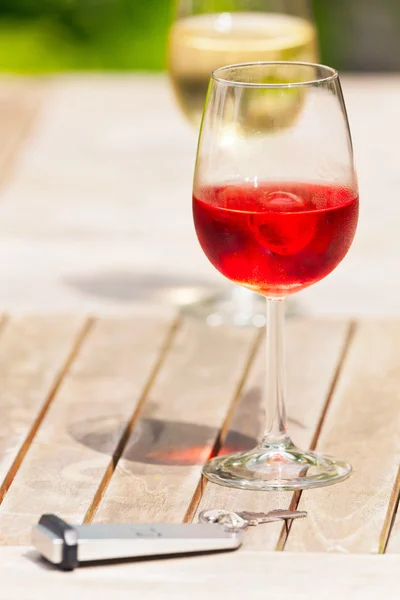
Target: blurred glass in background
column 207, row 34
column 242, row 31
column 58, row 35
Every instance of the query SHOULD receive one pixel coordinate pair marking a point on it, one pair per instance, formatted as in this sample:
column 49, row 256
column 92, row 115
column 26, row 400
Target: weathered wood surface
column 236, row 575
column 75, row 444
column 314, row 354
column 160, row 469
column 89, row 408
column 362, row 425
column 34, row 355
column 112, row 419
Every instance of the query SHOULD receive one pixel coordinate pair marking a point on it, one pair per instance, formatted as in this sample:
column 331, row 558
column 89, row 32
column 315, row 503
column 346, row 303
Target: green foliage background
column 58, row 35
column 54, row 35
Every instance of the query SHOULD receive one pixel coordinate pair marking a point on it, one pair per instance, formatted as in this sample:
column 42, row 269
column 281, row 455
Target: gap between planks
column 297, row 495
column 390, row 515
column 195, row 500
column 109, row 472
column 13, row 470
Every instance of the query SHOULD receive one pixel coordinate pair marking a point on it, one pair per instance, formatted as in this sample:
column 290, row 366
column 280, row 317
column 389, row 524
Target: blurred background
column 60, row 35
column 96, row 164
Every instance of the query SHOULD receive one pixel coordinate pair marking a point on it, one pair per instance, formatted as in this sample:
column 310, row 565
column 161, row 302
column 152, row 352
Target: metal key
column 235, row 521
column 257, row 518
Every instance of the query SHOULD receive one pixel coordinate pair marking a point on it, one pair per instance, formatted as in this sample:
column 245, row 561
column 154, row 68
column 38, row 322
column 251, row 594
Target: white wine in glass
column 208, row 34
column 201, row 43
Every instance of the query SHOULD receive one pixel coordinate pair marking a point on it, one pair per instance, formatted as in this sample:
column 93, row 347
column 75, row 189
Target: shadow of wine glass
column 130, row 287
column 157, row 442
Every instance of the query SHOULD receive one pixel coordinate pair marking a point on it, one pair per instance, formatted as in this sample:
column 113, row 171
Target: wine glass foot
column 276, row 467
column 236, row 306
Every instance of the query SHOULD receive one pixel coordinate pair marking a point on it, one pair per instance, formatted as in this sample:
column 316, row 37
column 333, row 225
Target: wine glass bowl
column 275, row 210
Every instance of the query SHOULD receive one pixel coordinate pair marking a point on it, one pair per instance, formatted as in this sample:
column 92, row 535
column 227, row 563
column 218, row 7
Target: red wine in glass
column 275, row 238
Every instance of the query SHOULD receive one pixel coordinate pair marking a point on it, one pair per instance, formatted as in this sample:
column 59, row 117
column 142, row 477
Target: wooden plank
column 20, row 101
column 362, row 425
column 235, row 575
column 161, row 466
column 313, row 353
column 75, row 445
column 34, row 353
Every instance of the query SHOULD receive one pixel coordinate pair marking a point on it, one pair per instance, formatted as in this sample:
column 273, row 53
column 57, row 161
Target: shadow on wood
column 128, row 287
column 156, row 442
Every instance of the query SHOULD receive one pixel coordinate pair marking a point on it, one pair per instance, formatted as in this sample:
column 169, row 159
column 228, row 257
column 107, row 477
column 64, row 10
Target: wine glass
column 275, row 206
column 207, row 34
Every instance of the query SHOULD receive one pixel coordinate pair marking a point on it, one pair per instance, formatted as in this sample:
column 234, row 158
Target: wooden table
column 111, row 419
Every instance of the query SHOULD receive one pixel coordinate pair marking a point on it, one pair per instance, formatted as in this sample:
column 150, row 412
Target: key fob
column 68, row 546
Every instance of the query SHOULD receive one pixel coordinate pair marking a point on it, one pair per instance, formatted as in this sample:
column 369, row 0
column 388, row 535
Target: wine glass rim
column 217, row 74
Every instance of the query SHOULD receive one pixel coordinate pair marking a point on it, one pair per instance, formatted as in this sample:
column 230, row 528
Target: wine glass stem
column 275, row 384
